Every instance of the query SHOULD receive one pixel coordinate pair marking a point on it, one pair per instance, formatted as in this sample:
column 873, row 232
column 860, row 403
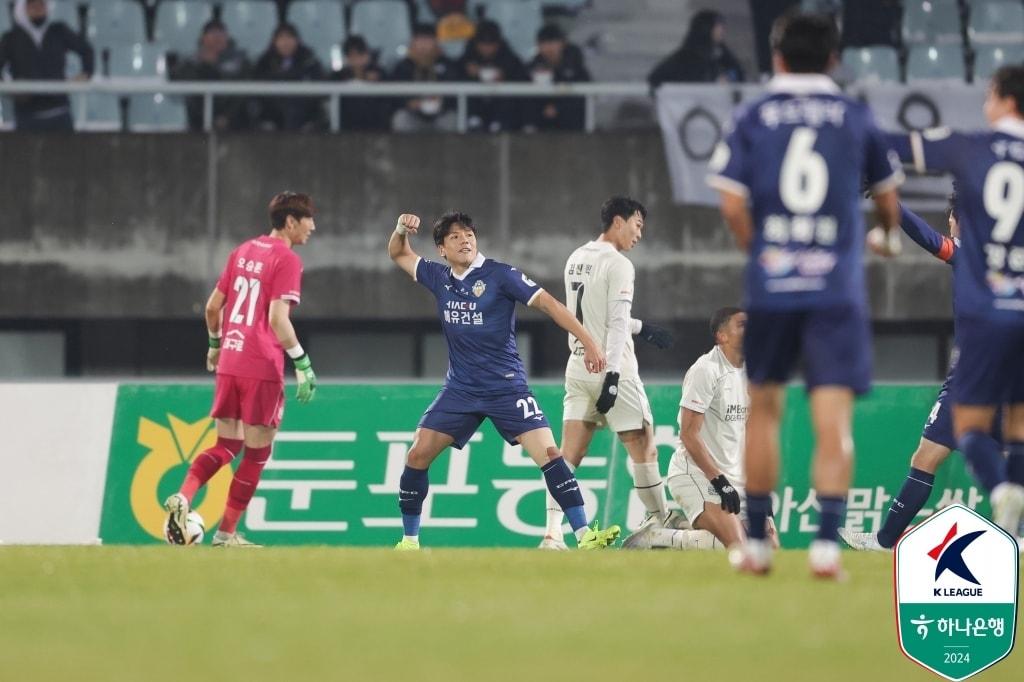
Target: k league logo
column 956, row 582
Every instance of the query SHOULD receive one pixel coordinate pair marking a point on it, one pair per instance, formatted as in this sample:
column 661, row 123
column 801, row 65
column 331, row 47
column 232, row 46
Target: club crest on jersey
column 479, row 288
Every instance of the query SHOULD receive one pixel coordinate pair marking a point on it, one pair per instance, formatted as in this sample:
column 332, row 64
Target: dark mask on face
column 38, row 21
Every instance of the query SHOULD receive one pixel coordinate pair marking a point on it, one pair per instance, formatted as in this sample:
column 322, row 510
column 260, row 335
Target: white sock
column 580, row 532
column 553, row 525
column 650, row 488
column 412, row 538
column 684, row 539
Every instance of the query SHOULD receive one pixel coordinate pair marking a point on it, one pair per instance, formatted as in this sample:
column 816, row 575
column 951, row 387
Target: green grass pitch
column 160, row 613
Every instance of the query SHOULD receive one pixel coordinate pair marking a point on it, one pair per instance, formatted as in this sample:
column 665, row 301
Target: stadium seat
column 935, row 62
column 157, row 113
column 988, row 58
column 321, row 24
column 116, row 22
column 877, row 63
column 97, row 112
column 66, row 11
column 5, row 18
column 933, row 22
column 386, row 26
column 179, row 23
column 996, row 21
column 250, row 23
column 519, row 20
column 142, row 60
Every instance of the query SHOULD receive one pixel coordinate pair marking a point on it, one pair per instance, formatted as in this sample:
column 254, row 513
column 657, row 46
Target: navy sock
column 412, row 490
column 911, row 497
column 832, row 516
column 984, row 456
column 566, row 491
column 1015, row 462
column 759, row 508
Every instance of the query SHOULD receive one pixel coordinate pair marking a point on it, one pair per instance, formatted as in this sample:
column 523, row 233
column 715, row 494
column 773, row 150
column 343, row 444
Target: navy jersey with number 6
column 478, row 319
column 988, row 168
column 800, row 154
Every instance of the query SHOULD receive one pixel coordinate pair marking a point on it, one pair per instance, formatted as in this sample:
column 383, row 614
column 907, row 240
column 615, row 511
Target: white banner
column 53, row 465
column 693, row 119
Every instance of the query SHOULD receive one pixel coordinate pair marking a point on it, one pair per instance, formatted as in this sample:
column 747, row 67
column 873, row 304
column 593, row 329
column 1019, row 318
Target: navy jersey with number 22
column 799, row 154
column 478, row 318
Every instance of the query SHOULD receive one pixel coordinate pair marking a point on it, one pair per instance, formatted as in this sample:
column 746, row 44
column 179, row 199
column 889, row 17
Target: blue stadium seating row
column 386, row 24
column 881, row 62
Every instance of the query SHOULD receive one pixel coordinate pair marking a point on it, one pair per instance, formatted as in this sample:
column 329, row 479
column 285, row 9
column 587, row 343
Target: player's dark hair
column 443, row 225
column 1008, row 81
column 721, row 318
column 805, row 41
column 623, row 207
column 286, row 204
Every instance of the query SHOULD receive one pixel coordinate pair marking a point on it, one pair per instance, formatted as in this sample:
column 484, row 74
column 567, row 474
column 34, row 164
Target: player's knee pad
column 562, row 484
column 412, row 490
column 247, row 477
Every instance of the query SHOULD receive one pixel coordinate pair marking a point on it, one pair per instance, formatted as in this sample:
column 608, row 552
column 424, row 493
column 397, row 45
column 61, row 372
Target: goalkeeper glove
column 655, row 335
column 213, row 354
column 306, row 378
column 609, row 392
column 730, row 498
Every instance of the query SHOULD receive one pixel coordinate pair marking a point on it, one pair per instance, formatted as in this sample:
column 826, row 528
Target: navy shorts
column 939, row 427
column 991, row 366
column 833, row 343
column 459, row 414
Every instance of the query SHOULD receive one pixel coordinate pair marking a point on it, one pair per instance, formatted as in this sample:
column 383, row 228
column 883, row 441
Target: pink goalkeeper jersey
column 259, row 271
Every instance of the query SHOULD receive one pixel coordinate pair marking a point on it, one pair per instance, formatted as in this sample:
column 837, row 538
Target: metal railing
column 333, row 91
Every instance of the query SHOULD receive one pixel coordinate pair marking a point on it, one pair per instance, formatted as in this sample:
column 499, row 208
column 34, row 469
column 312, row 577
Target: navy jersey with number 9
column 800, row 155
column 988, row 167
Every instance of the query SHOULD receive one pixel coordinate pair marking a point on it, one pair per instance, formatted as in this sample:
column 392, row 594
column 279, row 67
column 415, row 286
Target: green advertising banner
column 333, row 478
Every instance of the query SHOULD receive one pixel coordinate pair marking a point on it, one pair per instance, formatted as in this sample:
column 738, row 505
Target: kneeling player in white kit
column 705, row 475
column 599, row 291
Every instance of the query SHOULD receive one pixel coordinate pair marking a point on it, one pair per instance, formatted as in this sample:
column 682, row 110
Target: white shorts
column 629, row 413
column 691, row 489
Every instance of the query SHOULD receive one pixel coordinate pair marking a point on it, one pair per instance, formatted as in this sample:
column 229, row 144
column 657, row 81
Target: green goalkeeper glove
column 306, row 378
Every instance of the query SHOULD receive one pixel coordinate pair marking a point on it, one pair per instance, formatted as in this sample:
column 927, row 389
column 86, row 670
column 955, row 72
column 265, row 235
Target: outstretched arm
column 593, row 356
column 399, row 248
column 929, row 239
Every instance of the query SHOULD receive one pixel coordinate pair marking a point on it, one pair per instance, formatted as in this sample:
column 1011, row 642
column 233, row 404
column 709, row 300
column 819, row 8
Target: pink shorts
column 254, row 401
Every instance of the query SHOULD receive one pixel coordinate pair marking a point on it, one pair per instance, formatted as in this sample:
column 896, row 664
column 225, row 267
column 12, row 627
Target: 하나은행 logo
column 956, row 581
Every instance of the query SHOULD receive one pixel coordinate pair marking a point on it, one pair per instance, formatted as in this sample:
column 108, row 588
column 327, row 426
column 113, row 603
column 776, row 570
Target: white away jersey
column 716, row 388
column 596, row 276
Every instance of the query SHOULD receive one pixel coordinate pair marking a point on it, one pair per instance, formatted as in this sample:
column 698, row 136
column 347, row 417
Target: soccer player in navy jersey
column 937, row 439
column 476, row 301
column 988, row 284
column 790, row 174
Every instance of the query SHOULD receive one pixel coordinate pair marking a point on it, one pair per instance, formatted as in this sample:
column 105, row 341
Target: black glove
column 609, row 392
column 658, row 336
column 730, row 498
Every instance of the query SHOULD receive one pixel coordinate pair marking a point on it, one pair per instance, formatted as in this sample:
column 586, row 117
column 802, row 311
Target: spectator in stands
column 425, row 63
column 702, row 58
column 489, row 59
column 36, row 49
column 454, row 26
column 361, row 113
column 287, row 59
column 216, row 59
column 557, row 61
